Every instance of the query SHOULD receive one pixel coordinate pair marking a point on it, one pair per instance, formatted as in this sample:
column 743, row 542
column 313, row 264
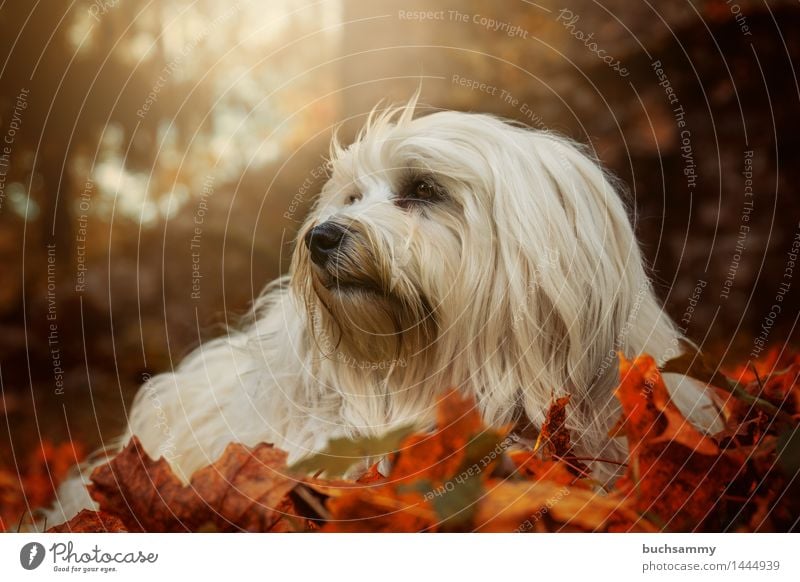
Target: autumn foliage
column 463, row 476
column 31, row 483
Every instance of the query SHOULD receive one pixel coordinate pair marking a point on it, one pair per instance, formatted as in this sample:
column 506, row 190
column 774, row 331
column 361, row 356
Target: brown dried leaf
column 88, row 521
column 245, row 489
column 520, row 506
column 554, row 438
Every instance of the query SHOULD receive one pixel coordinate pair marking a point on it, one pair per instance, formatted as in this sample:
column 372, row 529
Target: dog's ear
column 570, row 274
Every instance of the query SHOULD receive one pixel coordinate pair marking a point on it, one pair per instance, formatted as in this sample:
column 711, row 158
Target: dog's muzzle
column 324, row 240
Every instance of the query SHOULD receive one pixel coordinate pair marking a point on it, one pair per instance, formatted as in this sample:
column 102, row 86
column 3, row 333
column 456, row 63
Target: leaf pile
column 463, row 476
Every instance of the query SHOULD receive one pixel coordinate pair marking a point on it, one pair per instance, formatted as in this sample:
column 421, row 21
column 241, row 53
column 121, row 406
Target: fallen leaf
column 245, row 489
column 88, row 521
column 649, row 413
column 531, row 467
column 520, row 506
column 555, row 441
column 342, row 453
column 675, row 473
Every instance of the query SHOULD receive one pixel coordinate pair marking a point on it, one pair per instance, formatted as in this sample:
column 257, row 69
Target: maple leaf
column 88, row 521
column 675, row 473
column 649, row 414
column 245, row 489
column 549, row 506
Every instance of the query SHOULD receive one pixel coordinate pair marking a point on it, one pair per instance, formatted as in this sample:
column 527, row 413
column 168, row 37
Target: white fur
column 522, row 284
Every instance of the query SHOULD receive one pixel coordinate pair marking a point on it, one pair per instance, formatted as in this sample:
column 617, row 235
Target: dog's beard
column 358, row 315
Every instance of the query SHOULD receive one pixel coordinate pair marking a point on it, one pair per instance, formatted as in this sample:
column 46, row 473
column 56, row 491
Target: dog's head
column 495, row 254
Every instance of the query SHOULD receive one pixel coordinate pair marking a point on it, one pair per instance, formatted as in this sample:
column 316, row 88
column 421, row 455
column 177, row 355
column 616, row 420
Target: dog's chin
column 368, row 321
column 346, row 289
column 356, row 290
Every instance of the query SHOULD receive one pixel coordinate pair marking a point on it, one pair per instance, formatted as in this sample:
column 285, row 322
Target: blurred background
column 156, row 159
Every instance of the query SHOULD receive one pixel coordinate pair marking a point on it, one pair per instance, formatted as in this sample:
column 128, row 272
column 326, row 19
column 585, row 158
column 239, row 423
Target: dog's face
column 380, row 258
column 459, row 241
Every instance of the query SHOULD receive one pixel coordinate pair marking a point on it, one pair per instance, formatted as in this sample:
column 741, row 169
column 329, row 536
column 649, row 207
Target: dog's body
column 448, row 250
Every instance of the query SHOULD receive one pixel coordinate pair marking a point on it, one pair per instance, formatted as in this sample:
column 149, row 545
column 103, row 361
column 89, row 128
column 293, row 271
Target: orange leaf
column 548, row 506
column 535, row 469
column 380, row 510
column 675, row 472
column 438, row 455
column 650, row 416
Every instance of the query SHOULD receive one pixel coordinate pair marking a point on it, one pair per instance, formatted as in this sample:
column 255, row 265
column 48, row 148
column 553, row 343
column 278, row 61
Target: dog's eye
column 351, row 199
column 423, row 189
column 420, row 191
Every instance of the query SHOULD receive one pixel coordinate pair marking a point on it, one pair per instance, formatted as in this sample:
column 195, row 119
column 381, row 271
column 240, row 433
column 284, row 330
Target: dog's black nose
column 323, row 240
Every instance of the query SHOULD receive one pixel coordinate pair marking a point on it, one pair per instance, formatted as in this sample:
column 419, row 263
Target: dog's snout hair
column 446, row 250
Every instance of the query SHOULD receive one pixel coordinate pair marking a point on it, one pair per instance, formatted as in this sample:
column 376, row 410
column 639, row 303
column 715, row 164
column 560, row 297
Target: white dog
column 453, row 249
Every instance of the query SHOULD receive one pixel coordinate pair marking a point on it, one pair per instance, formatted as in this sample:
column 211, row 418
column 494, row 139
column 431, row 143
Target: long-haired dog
column 448, row 250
